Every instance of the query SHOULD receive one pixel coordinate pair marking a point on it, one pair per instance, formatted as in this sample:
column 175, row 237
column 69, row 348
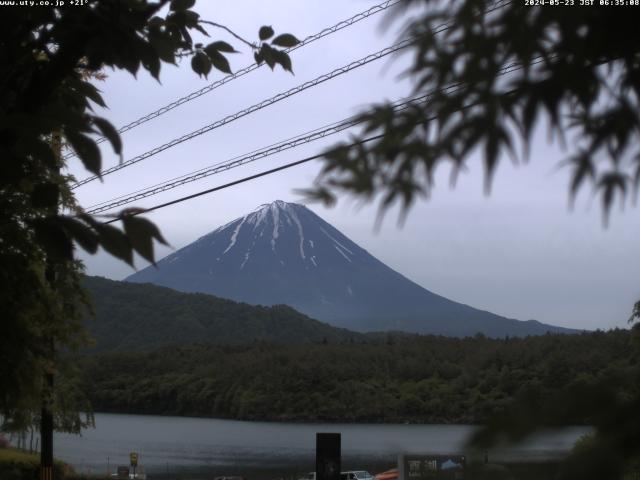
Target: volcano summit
column 283, row 253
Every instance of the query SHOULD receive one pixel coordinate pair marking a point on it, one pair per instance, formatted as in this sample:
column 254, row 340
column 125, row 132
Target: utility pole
column 46, row 416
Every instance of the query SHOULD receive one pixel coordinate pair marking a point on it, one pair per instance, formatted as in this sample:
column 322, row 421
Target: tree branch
column 253, row 46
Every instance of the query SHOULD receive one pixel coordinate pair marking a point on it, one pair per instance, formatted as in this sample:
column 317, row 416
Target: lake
column 204, row 447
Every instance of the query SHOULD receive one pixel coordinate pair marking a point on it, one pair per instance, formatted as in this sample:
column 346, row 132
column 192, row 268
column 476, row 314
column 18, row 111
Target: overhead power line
column 284, row 145
column 254, row 108
column 242, row 180
column 290, row 143
column 281, row 96
column 253, row 177
column 288, row 165
column 243, row 71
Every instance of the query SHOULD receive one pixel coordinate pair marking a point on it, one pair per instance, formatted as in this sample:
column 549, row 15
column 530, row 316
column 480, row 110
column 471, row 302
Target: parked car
column 356, row 475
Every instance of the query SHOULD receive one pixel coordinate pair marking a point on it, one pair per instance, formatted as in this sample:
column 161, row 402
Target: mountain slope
column 130, row 316
column 283, row 253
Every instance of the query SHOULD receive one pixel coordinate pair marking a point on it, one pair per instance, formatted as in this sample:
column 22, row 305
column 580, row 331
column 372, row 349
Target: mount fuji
column 283, row 253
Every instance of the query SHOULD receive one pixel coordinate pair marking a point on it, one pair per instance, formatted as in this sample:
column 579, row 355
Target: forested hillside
column 417, row 379
column 131, row 316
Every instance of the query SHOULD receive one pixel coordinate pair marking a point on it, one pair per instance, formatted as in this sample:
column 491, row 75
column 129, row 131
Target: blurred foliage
column 19, row 465
column 579, row 72
column 68, row 400
column 412, row 379
column 609, row 403
column 48, row 56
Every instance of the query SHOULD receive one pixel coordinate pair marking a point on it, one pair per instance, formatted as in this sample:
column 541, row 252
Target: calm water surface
column 219, row 447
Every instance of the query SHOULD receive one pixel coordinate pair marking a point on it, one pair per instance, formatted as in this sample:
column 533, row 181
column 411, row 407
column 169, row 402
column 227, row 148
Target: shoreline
column 317, row 421
column 188, row 443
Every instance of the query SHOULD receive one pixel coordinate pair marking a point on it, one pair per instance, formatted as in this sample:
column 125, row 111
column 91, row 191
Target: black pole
column 46, row 449
column 328, row 456
column 46, row 417
column 46, row 420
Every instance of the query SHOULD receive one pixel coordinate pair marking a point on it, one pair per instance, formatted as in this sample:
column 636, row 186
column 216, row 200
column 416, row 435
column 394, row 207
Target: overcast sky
column 519, row 252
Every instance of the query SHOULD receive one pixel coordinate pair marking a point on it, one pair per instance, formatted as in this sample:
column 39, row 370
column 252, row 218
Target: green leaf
column 529, row 113
column 220, row 46
column 85, row 236
column 583, row 170
column 110, row 133
column 285, row 40
column 201, row 64
column 609, row 183
column 191, row 19
column 201, row 30
column 164, row 46
column 88, row 219
column 219, row 61
column 39, row 150
column 266, row 53
column 86, row 149
column 141, row 233
column 53, row 239
column 114, row 242
column 150, row 58
column 491, row 150
column 187, row 37
column 91, row 92
column 265, row 32
column 283, row 59
column 45, row 195
column 178, row 5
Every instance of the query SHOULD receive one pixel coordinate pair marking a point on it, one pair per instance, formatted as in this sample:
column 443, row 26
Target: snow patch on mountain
column 342, row 253
column 336, row 241
column 246, row 257
column 296, row 220
column 234, row 235
column 275, row 212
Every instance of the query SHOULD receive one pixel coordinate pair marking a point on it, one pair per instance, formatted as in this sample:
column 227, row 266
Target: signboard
column 133, row 459
column 123, row 472
column 431, row 467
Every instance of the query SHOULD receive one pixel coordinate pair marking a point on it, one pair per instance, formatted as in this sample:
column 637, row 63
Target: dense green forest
column 395, row 379
column 134, row 316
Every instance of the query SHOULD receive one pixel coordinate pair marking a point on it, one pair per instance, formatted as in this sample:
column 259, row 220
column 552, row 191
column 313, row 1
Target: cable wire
column 290, row 143
column 507, row 69
column 219, row 167
column 243, row 71
column 254, row 108
column 267, row 172
column 242, row 180
column 281, row 96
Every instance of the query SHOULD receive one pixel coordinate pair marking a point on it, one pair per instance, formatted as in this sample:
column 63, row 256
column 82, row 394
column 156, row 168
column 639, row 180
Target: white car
column 356, row 475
